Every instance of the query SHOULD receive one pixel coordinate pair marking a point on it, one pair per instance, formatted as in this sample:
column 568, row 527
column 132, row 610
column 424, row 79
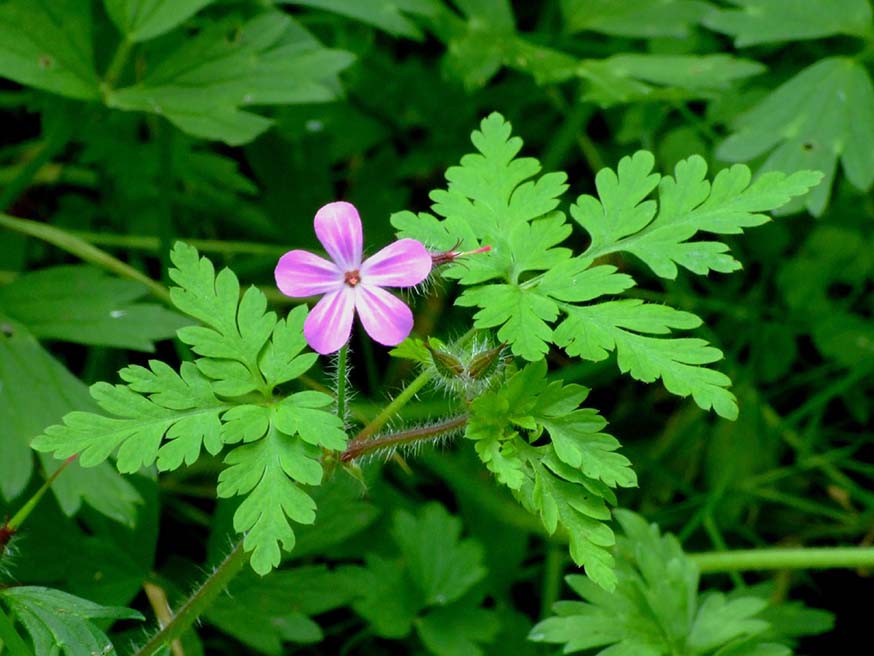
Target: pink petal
column 300, row 273
column 329, row 323
column 386, row 318
column 404, row 263
column 338, row 227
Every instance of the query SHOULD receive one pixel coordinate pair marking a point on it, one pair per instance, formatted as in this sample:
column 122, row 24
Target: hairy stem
column 791, row 558
column 356, row 449
column 198, row 603
column 83, row 250
column 10, row 639
column 341, row 382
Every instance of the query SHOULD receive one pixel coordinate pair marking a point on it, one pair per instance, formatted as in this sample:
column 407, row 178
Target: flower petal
column 329, row 323
column 385, row 317
column 338, row 227
column 404, row 263
column 300, row 273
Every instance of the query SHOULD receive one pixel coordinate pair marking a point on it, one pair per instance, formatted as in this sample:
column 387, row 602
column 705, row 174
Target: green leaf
column 300, row 414
column 282, row 359
column 203, row 83
column 622, row 220
column 566, row 481
column 47, row 44
column 823, row 114
column 236, row 329
column 523, row 316
column 37, row 391
column 590, row 332
column 769, row 21
column 160, row 415
column 655, row 609
column 457, row 630
column 387, row 15
column 268, row 471
column 441, row 564
column 139, row 20
column 638, row 77
column 265, row 612
column 634, row 18
column 81, row 304
column 62, row 623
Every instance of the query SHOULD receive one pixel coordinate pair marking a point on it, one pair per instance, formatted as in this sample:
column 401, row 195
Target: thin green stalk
column 389, row 411
column 116, row 66
column 152, row 244
column 83, row 250
column 10, row 639
column 25, row 510
column 791, row 558
column 341, row 382
column 198, row 603
column 553, row 567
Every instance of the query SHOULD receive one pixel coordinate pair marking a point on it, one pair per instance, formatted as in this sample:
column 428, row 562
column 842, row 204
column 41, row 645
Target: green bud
column 485, row 364
column 447, row 365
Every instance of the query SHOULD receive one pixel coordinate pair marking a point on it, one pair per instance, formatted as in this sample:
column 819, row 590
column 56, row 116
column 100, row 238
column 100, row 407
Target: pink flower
column 350, row 285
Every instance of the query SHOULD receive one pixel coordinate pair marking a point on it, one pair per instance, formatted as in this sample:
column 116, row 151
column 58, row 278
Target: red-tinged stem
column 9, row 528
column 402, row 438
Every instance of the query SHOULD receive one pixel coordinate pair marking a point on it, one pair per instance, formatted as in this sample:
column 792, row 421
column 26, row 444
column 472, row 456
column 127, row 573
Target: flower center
column 352, row 278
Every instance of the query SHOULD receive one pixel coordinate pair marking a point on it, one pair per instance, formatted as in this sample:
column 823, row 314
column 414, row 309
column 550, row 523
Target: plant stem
column 10, row 638
column 793, row 558
column 152, row 244
column 116, row 66
column 357, row 448
column 83, row 250
column 25, row 510
column 392, row 408
column 198, row 603
column 341, row 382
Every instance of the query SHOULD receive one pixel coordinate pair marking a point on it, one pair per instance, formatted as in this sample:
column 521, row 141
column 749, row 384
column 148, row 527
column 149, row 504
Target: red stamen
column 352, row 278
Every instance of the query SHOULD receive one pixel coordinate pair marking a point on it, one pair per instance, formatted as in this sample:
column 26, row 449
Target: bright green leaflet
column 568, row 480
column 225, row 397
column 529, row 282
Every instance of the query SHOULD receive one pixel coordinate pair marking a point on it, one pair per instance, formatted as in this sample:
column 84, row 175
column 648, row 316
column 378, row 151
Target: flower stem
column 393, row 408
column 357, row 448
column 341, row 382
column 10, row 639
column 794, row 558
column 198, row 603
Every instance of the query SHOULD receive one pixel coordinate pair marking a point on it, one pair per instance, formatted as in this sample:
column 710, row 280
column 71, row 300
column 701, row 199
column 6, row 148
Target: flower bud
column 484, row 364
column 448, row 257
column 447, row 365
